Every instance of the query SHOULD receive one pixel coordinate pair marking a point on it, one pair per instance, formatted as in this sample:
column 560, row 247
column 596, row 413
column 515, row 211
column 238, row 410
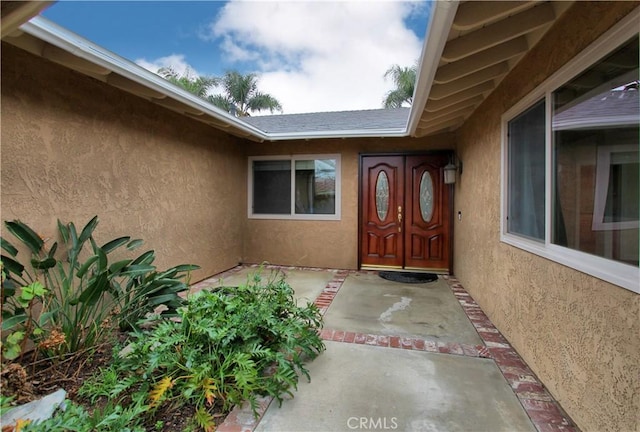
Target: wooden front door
column 405, row 214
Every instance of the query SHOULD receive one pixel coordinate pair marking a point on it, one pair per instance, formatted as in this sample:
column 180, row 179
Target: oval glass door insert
column 382, row 195
column 426, row 196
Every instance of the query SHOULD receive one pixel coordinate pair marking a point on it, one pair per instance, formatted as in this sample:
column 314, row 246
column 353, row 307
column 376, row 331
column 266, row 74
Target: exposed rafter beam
column 72, row 61
column 499, row 32
column 481, row 60
column 441, row 91
column 474, row 101
column 439, row 127
column 437, row 105
column 474, row 14
column 431, row 120
column 16, row 13
column 134, row 87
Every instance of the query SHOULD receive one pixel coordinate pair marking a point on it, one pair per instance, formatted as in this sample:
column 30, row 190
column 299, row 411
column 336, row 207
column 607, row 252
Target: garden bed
column 187, row 362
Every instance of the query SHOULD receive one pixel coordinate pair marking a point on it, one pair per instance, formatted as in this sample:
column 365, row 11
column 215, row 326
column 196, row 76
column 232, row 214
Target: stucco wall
column 323, row 243
column 580, row 335
column 73, row 147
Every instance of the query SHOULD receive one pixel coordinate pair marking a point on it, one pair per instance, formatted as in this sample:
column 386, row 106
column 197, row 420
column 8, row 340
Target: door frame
column 361, row 156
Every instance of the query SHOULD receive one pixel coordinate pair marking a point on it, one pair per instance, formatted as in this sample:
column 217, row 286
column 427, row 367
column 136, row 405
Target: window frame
column 602, row 186
column 292, row 215
column 617, row 273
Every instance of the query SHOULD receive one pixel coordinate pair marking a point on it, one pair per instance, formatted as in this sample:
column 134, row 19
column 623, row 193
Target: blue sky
column 333, row 53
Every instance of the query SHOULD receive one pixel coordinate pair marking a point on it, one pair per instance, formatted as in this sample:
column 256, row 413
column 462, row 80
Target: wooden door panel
column 413, row 232
column 383, row 242
column 428, row 213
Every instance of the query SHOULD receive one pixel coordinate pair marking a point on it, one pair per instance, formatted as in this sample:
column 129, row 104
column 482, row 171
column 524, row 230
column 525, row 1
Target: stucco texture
column 73, row 147
column 331, row 244
column 580, row 335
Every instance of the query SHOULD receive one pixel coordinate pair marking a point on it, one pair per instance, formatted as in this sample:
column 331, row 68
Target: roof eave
column 53, row 34
column 440, row 22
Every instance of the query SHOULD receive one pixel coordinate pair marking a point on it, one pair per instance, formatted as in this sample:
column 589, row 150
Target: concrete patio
column 413, row 357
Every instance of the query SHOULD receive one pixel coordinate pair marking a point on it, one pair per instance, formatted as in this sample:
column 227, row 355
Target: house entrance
column 405, row 212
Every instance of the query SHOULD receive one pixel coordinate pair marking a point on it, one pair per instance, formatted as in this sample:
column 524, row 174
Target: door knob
column 399, row 218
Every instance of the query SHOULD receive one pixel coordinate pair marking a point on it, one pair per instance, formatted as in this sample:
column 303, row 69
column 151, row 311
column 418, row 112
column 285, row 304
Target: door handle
column 399, row 218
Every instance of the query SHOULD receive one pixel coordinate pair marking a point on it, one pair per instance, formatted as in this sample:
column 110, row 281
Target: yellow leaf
column 20, row 423
column 159, row 390
column 209, row 388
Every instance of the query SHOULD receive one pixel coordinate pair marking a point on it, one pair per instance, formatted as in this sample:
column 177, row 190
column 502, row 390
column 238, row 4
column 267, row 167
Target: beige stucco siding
column 323, row 243
column 73, row 147
column 579, row 334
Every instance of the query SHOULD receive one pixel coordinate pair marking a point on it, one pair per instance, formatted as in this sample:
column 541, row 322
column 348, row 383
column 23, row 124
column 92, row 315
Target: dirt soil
column 29, row 380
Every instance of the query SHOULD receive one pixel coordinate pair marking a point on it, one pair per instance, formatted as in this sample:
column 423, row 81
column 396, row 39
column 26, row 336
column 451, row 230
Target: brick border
column 543, row 410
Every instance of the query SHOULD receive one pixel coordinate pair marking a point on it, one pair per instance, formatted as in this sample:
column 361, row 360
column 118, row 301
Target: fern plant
column 229, row 345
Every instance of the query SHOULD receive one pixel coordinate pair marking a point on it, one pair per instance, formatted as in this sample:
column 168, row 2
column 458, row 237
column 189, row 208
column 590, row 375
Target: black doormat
column 408, row 277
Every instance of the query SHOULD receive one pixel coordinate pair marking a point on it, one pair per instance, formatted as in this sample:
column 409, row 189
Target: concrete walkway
column 409, row 357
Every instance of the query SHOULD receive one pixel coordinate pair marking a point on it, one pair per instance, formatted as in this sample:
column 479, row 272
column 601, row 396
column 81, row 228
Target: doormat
column 408, row 277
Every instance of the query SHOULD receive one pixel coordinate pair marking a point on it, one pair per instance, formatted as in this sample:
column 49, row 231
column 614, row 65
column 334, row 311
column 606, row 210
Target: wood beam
column 178, row 106
column 499, row 32
column 440, row 91
column 431, row 121
column 481, row 60
column 420, row 132
column 474, row 101
column 133, row 87
column 474, row 14
column 437, row 105
column 16, row 13
column 72, row 61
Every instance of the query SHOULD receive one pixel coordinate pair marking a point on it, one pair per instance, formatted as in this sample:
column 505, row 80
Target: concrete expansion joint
column 540, row 406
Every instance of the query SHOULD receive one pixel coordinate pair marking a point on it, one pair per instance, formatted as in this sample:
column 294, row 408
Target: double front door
column 405, row 213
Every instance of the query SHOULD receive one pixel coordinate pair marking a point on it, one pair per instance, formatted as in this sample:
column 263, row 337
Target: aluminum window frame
column 620, row 274
column 292, row 214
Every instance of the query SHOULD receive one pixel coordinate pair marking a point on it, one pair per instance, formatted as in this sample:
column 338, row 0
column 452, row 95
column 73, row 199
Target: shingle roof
column 395, row 118
column 609, row 108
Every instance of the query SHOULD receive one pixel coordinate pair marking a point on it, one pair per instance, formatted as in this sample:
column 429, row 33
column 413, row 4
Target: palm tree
column 197, row 85
column 404, row 79
column 241, row 95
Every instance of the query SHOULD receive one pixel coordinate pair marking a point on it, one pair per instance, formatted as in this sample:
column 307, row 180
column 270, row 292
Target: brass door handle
column 399, row 218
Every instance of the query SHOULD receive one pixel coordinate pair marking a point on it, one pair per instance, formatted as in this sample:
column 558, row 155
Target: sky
column 313, row 56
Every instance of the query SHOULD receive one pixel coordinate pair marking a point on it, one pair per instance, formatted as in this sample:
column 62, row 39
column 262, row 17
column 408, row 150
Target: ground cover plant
column 221, row 346
column 229, row 345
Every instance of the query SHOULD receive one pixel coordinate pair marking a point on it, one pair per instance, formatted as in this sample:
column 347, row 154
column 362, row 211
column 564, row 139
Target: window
column 298, row 187
column 571, row 163
column 527, row 176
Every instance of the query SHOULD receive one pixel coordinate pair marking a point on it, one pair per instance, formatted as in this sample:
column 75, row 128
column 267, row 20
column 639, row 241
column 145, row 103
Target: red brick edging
column 544, row 412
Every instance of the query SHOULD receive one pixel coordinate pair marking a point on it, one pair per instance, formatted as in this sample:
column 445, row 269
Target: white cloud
column 320, row 56
column 176, row 62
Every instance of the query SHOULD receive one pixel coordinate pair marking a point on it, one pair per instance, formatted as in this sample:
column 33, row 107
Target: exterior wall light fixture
column 450, row 170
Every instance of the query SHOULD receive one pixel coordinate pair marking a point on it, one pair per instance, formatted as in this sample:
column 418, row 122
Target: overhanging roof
column 474, row 45
column 478, row 44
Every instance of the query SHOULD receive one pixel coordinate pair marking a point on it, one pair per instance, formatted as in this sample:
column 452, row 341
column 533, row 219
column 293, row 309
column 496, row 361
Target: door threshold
column 406, row 269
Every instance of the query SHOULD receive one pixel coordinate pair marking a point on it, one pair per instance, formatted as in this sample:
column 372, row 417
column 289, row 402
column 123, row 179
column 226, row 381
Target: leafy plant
column 229, row 345
column 79, row 292
column 110, row 418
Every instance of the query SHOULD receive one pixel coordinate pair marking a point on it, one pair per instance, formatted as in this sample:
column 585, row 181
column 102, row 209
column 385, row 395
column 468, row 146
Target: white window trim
column 293, row 215
column 620, row 274
column 602, row 186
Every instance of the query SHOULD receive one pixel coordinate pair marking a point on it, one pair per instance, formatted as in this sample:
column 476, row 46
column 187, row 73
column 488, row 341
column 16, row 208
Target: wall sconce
column 450, row 170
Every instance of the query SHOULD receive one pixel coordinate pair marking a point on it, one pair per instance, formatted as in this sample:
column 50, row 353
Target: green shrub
column 67, row 299
column 229, row 345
